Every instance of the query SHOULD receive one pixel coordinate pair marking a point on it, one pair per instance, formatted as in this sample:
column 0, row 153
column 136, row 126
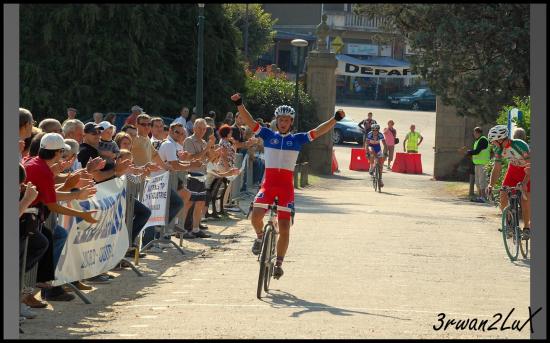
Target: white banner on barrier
column 92, row 249
column 155, row 194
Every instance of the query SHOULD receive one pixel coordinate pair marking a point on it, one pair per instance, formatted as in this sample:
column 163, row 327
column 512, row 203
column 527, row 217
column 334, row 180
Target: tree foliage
column 475, row 56
column 260, row 28
column 263, row 95
column 524, row 105
column 108, row 57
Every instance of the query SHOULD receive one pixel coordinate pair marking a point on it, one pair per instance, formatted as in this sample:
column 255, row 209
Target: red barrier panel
column 410, row 163
column 358, row 160
column 399, row 163
column 415, row 164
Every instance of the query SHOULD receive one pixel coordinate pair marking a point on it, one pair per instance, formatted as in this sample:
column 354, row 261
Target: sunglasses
column 145, row 124
column 94, row 133
column 178, row 132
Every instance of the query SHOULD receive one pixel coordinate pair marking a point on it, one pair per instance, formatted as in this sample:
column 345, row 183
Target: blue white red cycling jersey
column 280, row 155
column 374, row 142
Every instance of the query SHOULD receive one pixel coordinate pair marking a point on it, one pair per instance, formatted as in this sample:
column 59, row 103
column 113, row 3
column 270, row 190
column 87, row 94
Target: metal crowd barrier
column 50, row 224
column 168, row 228
column 134, row 191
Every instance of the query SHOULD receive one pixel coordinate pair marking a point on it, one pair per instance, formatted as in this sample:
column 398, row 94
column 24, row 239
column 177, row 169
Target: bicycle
column 267, row 257
column 514, row 240
column 377, row 176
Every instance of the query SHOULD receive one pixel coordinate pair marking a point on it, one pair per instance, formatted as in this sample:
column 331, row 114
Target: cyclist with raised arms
column 281, row 150
column 374, row 137
column 517, row 153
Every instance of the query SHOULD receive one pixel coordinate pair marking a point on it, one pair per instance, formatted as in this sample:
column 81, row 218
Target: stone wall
column 451, row 133
column 321, row 86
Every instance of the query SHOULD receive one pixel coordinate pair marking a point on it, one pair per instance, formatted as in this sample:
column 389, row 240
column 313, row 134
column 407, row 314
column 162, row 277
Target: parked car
column 121, row 118
column 346, row 130
column 417, row 99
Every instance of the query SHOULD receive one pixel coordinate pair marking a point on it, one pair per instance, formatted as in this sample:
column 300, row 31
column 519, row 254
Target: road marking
column 159, row 308
column 181, row 292
column 314, row 307
column 127, row 334
column 148, row 317
column 139, row 326
column 168, row 300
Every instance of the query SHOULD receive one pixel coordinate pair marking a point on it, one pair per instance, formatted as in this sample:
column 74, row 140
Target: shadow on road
column 278, row 298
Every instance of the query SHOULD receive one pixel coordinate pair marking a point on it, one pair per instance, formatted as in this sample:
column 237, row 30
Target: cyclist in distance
column 281, row 150
column 374, row 137
column 517, row 153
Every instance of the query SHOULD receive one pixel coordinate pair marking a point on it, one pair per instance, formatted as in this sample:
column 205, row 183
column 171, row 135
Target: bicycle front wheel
column 271, row 262
column 510, row 234
column 264, row 259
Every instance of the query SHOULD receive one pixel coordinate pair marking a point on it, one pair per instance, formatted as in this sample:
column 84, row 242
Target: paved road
column 360, row 265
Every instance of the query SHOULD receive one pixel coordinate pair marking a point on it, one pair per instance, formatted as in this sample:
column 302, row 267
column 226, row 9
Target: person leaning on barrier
column 171, row 152
column 141, row 212
column 199, row 150
column 144, row 154
column 29, row 232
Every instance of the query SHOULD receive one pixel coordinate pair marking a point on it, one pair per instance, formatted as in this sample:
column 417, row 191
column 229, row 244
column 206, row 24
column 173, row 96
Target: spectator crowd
column 60, row 162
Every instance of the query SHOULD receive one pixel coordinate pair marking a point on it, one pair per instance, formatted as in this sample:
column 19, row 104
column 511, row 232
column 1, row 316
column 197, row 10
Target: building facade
column 350, row 34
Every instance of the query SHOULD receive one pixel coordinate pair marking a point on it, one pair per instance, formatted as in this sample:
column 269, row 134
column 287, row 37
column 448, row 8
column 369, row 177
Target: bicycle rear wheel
column 271, row 262
column 264, row 259
column 375, row 177
column 510, row 234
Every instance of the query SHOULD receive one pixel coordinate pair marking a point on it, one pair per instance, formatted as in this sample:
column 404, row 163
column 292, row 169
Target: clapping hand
column 95, row 164
column 184, row 155
column 87, row 216
column 30, row 192
column 86, row 192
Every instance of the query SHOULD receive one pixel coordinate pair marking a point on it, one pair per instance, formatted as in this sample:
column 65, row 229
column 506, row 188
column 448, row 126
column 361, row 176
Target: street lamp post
column 298, row 43
column 200, row 53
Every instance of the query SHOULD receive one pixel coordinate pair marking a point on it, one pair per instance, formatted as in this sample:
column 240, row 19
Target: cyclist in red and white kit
column 281, row 150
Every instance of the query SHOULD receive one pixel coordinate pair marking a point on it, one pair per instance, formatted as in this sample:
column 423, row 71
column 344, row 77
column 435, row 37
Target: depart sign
column 363, row 70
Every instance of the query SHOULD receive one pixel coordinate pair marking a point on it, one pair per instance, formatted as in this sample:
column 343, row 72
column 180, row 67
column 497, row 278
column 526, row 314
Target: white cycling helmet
column 284, row 110
column 498, row 132
column 375, row 127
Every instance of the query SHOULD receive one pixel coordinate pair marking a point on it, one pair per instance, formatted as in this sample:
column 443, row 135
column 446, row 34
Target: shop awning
column 374, row 66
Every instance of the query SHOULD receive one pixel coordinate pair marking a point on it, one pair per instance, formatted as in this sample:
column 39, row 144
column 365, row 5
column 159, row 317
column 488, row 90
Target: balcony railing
column 349, row 21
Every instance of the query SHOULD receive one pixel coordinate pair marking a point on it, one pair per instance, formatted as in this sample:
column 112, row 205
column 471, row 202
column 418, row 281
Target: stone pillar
column 321, row 86
column 452, row 132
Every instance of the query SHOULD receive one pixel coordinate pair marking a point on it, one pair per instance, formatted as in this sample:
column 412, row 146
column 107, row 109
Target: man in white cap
column 132, row 119
column 40, row 172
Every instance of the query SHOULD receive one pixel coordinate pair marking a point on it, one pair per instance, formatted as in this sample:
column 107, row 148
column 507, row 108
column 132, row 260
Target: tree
column 100, row 57
column 475, row 56
column 260, row 28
